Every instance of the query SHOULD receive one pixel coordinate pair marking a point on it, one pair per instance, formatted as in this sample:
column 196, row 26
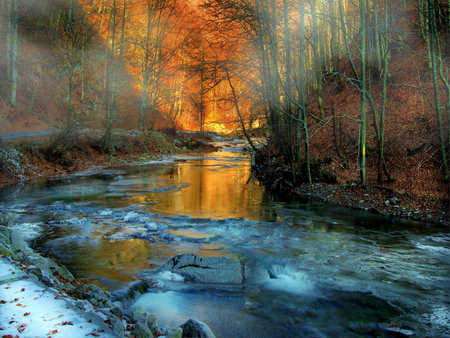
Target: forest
column 361, row 85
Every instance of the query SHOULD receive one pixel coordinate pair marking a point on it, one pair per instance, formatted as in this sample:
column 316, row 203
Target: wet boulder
column 197, row 329
column 220, row 270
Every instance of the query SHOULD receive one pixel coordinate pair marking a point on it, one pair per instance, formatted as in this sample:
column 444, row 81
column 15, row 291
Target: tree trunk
column 435, row 62
column 363, row 89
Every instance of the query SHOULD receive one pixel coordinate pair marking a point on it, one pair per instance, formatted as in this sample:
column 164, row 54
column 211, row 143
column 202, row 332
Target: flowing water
column 334, row 272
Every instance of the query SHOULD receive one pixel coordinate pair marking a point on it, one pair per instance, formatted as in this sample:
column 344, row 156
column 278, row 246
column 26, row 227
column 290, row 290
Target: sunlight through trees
column 272, row 66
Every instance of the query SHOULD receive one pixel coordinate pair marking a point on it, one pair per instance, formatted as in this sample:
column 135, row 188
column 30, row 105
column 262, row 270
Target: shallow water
column 335, row 272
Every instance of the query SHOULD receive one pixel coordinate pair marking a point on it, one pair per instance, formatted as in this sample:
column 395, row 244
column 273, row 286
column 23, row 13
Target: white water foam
column 433, row 248
column 290, row 281
column 440, row 316
column 167, row 275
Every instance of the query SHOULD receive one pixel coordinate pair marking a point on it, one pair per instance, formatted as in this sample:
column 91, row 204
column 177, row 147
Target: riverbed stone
column 142, row 331
column 98, row 293
column 256, row 273
column 17, row 243
column 65, row 273
column 3, row 239
column 138, row 311
column 195, row 328
column 149, row 320
column 174, row 333
column 5, row 218
column 118, row 328
column 220, row 270
column 36, row 259
column 4, row 250
column 41, row 270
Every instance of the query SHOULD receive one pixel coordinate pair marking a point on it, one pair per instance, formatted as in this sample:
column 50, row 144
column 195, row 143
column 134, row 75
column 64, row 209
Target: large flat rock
column 214, row 270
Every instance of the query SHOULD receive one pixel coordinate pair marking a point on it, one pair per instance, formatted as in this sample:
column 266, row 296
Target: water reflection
column 201, row 187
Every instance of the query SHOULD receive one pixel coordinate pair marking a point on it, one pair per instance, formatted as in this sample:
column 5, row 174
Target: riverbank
column 382, row 201
column 25, row 160
column 399, row 199
column 41, row 298
column 22, row 161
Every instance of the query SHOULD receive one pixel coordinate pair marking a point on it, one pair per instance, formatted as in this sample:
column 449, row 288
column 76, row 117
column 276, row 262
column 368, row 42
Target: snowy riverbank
column 40, row 298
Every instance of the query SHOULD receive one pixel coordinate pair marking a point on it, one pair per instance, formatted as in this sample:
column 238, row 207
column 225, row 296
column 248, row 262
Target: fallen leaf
column 53, row 332
column 94, row 334
column 21, row 327
column 23, row 289
column 26, row 313
column 3, row 301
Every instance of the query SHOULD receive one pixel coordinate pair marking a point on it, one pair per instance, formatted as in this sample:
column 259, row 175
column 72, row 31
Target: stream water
column 335, row 272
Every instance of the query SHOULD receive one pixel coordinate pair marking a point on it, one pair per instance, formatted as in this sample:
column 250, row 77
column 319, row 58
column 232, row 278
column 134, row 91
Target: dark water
column 336, row 272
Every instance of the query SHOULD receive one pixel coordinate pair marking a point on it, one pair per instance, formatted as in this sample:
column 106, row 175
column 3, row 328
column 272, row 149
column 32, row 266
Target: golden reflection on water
column 120, row 260
column 214, row 191
column 209, row 190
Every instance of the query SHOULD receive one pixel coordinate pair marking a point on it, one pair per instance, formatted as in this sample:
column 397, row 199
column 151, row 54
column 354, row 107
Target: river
column 335, row 272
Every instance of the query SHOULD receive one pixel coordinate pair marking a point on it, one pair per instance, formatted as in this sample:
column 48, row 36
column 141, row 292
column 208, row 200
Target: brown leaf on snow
column 21, row 327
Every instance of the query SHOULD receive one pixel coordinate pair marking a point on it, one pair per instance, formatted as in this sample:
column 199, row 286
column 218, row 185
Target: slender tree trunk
column 363, row 89
column 434, row 53
column 303, row 117
column 317, row 62
column 12, row 50
column 238, row 110
column 346, row 38
column 114, row 70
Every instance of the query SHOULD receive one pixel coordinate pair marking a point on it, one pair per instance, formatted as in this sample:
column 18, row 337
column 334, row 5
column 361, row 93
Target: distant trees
column 435, row 16
column 10, row 15
column 269, row 63
column 70, row 36
column 149, row 54
column 142, row 44
column 298, row 45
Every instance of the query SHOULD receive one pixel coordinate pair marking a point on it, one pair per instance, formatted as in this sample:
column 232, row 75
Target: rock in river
column 197, row 329
column 222, row 270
